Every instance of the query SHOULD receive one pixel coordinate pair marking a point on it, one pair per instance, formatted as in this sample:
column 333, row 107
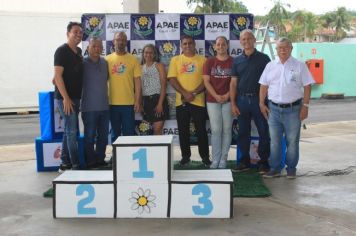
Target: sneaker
column 64, row 167
column 102, row 164
column 241, row 167
column 184, row 161
column 214, row 165
column 94, row 166
column 291, row 174
column 76, row 167
column 263, row 169
column 206, row 162
column 222, row 165
column 272, row 174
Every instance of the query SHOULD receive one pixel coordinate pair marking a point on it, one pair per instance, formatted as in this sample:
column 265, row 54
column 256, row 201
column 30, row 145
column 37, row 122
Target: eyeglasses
column 283, row 48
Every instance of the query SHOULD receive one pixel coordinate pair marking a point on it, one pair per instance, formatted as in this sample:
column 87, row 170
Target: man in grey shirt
column 95, row 105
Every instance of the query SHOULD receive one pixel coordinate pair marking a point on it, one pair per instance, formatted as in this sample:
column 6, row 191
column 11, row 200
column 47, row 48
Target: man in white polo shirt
column 287, row 82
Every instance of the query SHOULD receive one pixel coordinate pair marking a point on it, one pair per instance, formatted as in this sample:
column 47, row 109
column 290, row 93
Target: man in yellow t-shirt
column 124, row 88
column 185, row 74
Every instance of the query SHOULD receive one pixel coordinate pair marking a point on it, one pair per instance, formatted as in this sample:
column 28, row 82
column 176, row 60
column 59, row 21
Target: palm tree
column 235, row 7
column 304, row 25
column 276, row 16
column 327, row 19
column 297, row 20
column 341, row 22
column 215, row 6
column 338, row 20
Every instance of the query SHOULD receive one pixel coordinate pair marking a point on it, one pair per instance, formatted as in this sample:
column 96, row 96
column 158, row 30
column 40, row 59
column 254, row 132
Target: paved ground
column 313, row 204
column 19, row 129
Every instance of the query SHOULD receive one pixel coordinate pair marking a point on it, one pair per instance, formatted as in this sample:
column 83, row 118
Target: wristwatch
column 306, row 105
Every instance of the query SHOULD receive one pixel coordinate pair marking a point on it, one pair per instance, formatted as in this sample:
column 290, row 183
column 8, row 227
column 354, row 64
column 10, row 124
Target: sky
column 256, row 7
column 262, row 7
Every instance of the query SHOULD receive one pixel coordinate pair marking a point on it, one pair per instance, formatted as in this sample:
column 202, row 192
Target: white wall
column 27, row 43
column 62, row 6
column 86, row 6
column 30, row 33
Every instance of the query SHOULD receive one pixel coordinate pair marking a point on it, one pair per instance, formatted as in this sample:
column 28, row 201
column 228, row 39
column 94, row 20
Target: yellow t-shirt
column 122, row 70
column 189, row 73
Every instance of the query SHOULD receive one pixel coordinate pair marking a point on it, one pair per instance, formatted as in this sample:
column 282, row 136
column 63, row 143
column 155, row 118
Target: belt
column 248, row 94
column 151, row 96
column 287, row 105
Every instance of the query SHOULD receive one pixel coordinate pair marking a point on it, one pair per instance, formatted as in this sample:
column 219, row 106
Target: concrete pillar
column 140, row 6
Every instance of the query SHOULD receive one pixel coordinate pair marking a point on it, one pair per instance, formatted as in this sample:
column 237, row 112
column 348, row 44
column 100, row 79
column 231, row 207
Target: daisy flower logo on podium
column 142, row 201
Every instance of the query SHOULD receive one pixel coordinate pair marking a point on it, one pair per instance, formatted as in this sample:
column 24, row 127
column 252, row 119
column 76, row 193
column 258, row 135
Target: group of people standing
column 275, row 95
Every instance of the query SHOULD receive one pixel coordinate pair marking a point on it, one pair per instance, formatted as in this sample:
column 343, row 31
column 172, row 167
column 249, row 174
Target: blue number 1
column 82, row 210
column 141, row 155
column 204, row 200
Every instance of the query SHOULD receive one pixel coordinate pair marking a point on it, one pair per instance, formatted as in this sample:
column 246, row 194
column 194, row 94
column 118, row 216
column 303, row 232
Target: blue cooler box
column 48, row 153
column 51, row 122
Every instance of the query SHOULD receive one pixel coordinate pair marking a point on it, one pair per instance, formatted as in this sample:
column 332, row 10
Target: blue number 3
column 204, row 190
column 82, row 210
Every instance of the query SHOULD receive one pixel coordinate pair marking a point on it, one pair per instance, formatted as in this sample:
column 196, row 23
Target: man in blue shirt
column 244, row 95
column 95, row 105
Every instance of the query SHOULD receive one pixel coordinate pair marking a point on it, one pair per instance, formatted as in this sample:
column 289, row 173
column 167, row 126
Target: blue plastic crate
column 48, row 153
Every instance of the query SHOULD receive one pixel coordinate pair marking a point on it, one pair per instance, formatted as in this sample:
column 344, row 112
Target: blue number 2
column 82, row 210
column 141, row 155
column 207, row 208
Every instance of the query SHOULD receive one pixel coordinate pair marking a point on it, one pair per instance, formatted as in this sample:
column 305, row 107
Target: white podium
column 143, row 184
column 202, row 194
column 143, row 158
column 84, row 194
column 143, row 171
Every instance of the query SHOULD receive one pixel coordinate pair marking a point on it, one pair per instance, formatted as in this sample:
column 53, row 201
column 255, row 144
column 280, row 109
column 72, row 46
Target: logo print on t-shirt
column 118, row 68
column 187, row 68
column 220, row 72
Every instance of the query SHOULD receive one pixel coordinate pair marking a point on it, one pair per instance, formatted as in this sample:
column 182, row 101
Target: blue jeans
column 250, row 109
column 284, row 121
column 70, row 152
column 96, row 127
column 122, row 118
column 220, row 122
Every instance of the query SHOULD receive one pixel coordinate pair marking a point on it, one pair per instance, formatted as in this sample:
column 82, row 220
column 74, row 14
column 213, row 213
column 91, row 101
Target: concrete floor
column 312, row 204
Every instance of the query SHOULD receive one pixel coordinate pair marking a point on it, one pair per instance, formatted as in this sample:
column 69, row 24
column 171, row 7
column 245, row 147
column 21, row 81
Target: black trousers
column 198, row 114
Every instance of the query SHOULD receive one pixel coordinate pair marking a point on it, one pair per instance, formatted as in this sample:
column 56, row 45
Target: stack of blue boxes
column 49, row 144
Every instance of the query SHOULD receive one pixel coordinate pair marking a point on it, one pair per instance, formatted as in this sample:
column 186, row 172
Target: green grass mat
column 246, row 184
column 48, row 193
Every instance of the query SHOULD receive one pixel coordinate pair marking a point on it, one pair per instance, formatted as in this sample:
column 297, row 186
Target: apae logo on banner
column 238, row 23
column 192, row 25
column 167, row 50
column 94, row 26
column 143, row 27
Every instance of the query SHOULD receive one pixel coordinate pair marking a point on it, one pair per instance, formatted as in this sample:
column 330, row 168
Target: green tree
column 327, row 19
column 277, row 16
column 341, row 22
column 338, row 20
column 215, row 6
column 303, row 25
